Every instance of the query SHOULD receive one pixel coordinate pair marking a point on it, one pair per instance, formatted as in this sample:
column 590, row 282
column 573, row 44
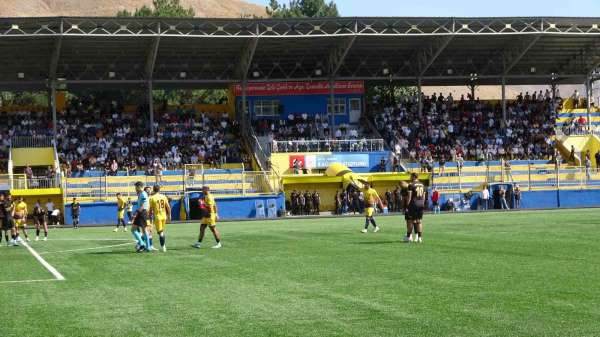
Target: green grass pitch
column 495, row 274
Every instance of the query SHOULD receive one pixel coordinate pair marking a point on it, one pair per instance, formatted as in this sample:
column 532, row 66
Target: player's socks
column 37, row 232
column 148, row 244
column 367, row 223
column 372, row 222
column 138, row 238
column 163, row 240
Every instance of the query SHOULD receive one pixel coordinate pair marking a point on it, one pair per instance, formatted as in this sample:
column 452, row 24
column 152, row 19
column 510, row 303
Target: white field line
column 92, row 240
column 30, row 281
column 84, row 249
column 58, row 276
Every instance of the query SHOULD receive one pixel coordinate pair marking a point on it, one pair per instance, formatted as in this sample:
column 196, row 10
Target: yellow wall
column 33, row 156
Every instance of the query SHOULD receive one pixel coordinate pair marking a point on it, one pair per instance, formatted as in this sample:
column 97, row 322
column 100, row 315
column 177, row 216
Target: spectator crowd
column 461, row 129
column 104, row 138
column 108, row 139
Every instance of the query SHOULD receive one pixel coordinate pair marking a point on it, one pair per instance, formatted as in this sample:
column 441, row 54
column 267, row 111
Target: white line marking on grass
column 92, row 240
column 41, row 260
column 83, row 249
column 31, row 281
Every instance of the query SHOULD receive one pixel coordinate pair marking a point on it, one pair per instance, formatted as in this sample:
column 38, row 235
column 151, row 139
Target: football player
column 208, row 207
column 161, row 213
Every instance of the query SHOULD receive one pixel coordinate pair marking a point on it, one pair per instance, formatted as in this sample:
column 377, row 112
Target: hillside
column 203, row 8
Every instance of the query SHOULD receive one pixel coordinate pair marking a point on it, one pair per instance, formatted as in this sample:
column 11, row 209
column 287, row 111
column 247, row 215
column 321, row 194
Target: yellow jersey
column 210, row 204
column 20, row 210
column 371, row 197
column 158, row 205
column 120, row 204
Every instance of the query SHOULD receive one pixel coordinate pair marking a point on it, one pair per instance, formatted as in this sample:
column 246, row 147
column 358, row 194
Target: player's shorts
column 20, row 223
column 160, row 223
column 8, row 224
column 416, row 212
column 130, row 215
column 121, row 215
column 39, row 219
column 210, row 220
column 435, row 203
column 141, row 220
column 369, row 211
column 407, row 215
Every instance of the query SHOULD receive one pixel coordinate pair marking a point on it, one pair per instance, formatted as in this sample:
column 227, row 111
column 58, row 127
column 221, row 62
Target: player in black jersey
column 3, row 228
column 40, row 220
column 8, row 223
column 417, row 196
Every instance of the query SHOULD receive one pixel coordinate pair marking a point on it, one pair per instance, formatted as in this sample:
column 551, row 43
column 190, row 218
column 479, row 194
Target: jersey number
column 420, row 192
column 161, row 203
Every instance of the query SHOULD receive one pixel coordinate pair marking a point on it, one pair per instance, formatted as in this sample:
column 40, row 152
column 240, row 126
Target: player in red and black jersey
column 417, row 196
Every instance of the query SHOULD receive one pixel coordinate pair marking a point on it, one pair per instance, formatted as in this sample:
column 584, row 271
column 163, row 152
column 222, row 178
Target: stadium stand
column 468, row 129
column 112, row 141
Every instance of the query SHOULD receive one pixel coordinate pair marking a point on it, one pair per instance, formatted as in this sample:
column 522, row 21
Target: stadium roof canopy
column 121, row 52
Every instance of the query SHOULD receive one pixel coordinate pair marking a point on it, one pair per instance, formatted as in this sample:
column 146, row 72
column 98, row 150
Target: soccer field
column 494, row 274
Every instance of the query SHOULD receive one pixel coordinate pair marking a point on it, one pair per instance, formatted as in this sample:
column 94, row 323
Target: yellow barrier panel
column 32, row 156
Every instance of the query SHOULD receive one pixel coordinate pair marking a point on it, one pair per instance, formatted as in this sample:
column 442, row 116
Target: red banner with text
column 299, row 88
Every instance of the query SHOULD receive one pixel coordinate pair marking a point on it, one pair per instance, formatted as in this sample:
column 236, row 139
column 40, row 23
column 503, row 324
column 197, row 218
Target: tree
column 302, row 9
column 161, row 8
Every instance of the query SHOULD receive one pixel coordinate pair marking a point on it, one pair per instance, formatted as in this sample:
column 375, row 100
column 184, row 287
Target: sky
column 464, row 7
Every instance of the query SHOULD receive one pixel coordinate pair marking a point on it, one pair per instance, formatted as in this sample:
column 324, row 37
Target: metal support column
column 242, row 118
column 504, row 100
column 52, row 94
column 151, row 108
column 588, row 91
column 419, row 97
column 332, row 103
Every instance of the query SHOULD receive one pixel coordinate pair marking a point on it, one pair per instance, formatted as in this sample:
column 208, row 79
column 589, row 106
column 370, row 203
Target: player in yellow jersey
column 372, row 200
column 121, row 204
column 21, row 218
column 161, row 213
column 208, row 207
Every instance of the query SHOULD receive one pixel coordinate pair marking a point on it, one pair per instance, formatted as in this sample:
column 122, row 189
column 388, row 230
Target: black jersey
column 39, row 212
column 7, row 209
column 418, row 194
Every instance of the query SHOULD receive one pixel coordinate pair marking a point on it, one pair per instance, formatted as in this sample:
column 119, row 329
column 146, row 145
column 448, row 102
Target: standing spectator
column 460, row 162
column 588, row 166
column 397, row 199
column 485, row 198
column 296, row 166
column 435, row 200
column 338, row 203
column 508, row 170
column 442, row 163
column 382, row 165
column 29, row 175
column 575, row 98
column 316, row 200
column 308, row 203
column 597, row 157
column 389, row 200
column 396, row 164
column 572, row 155
column 301, row 203
column 517, row 196
column 503, row 203
column 75, row 212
